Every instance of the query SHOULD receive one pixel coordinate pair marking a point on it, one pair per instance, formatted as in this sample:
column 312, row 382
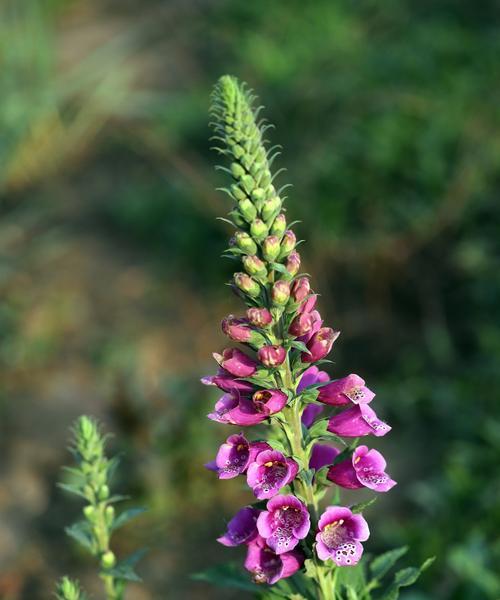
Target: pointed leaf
column 381, row 564
column 126, row 516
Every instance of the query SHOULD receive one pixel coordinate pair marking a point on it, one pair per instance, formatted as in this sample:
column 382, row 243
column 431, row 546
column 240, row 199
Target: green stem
column 102, row 536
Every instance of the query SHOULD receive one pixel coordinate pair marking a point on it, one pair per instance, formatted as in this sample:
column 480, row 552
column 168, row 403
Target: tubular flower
column 366, row 468
column 273, row 381
column 284, row 523
column 339, row 536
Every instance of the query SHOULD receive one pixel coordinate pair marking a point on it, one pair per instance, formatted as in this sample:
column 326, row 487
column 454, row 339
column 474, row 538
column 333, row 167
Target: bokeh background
column 112, row 288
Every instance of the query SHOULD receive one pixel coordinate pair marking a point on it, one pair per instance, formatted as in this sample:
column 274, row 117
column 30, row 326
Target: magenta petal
column 349, row 423
column 311, row 412
column 245, row 414
column 347, row 554
column 344, row 475
column 322, row 455
column 242, row 528
column 359, row 528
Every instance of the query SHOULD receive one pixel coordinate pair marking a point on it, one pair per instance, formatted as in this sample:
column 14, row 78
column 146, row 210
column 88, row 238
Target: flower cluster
column 273, row 379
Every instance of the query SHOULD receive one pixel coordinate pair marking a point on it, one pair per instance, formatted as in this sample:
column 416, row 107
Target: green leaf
column 277, row 445
column 125, row 568
column 381, row 564
column 228, row 575
column 310, row 568
column 72, row 489
column 318, row 429
column 299, row 346
column 405, row 578
column 353, row 577
column 126, row 516
column 360, row 507
column 81, row 532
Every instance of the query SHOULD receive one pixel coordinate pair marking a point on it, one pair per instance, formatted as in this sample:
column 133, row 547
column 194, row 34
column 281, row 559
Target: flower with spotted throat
column 340, row 535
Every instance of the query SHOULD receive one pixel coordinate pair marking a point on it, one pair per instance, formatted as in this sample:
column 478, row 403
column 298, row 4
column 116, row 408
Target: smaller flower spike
column 366, row 468
column 339, row 536
column 284, row 523
column 268, row 567
column 348, row 390
column 242, row 528
column 236, row 362
column 357, row 421
column 235, row 455
column 269, row 472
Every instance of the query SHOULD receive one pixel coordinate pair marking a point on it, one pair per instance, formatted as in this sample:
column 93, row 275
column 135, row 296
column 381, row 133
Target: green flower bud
column 258, row 229
column 258, row 195
column 248, row 210
column 237, row 192
column 89, row 512
column 103, row 493
column 238, row 220
column 254, row 266
column 108, row 560
column 270, row 208
column 244, row 242
column 271, row 247
column 280, row 292
column 248, row 183
column 237, row 170
column 246, row 284
column 109, row 515
column 288, row 243
column 279, row 225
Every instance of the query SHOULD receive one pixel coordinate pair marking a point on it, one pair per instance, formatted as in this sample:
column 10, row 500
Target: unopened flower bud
column 247, row 210
column 288, row 243
column 236, row 329
column 237, row 170
column 103, row 493
column 270, row 208
column 258, row 229
column 237, row 219
column 108, row 560
column 109, row 515
column 246, row 284
column 258, row 196
column 259, row 317
column 272, row 356
column 280, row 292
column 293, row 263
column 271, row 247
column 89, row 512
column 279, row 225
column 244, row 242
column 248, row 183
column 320, row 344
column 300, row 289
column 237, row 192
column 254, row 266
column 301, row 324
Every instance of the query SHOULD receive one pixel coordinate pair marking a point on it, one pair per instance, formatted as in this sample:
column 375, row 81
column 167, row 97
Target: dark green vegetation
column 112, row 285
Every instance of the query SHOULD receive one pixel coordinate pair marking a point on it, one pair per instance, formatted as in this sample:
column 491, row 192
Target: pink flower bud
column 246, row 284
column 271, row 356
column 236, row 362
column 301, row 325
column 280, row 292
column 236, row 329
column 293, row 263
column 320, row 344
column 244, row 242
column 288, row 242
column 271, row 247
column 300, row 289
column 259, row 317
column 254, row 266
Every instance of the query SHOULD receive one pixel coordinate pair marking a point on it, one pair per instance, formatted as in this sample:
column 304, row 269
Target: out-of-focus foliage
column 112, row 286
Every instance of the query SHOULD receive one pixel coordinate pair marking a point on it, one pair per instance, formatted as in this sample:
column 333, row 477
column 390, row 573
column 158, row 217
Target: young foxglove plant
column 273, row 379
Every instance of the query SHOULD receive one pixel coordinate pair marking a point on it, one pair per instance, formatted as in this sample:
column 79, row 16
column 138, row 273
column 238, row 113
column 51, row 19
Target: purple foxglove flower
column 293, row 263
column 301, row 324
column 269, row 472
column 272, row 356
column 310, row 414
column 322, row 455
column 308, row 305
column 366, row 468
column 259, row 317
column 235, row 455
column 227, row 382
column 339, row 536
column 284, row 523
column 300, row 289
column 236, row 362
column 223, row 408
column 280, row 292
column 357, row 421
column 311, row 376
column 348, row 390
column 320, row 344
column 269, row 402
column 242, row 528
column 236, row 329
column 268, row 567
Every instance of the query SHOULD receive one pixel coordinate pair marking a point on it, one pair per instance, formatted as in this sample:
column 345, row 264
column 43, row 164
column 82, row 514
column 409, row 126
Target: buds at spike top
column 293, row 263
column 247, row 210
column 280, row 292
column 237, row 192
column 108, row 560
column 279, row 225
column 246, row 284
column 236, row 362
column 244, row 242
column 270, row 208
column 300, row 289
column 236, row 329
column 254, row 266
column 237, row 170
column 258, row 195
column 259, row 317
column 320, row 344
column 288, row 242
column 271, row 247
column 258, row 229
column 301, row 324
column 271, row 356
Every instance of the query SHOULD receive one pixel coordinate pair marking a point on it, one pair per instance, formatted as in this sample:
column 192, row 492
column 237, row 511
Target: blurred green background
column 112, row 287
